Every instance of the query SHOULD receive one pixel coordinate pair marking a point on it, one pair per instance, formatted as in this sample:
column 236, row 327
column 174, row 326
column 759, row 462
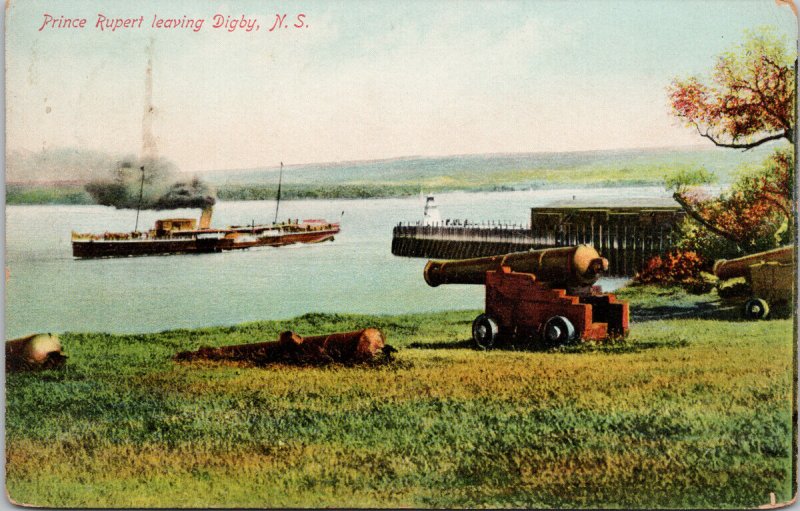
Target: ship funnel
column 205, row 217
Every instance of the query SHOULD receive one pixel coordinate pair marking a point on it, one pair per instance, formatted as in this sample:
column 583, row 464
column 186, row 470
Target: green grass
column 688, row 412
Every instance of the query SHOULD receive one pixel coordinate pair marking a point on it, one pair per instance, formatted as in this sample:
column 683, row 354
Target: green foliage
column 749, row 102
column 750, row 99
column 680, row 415
column 33, row 194
column 754, row 214
column 681, row 179
column 355, row 191
column 693, row 237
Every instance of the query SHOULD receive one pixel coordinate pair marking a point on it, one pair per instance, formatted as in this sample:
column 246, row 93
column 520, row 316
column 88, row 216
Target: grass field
column 692, row 411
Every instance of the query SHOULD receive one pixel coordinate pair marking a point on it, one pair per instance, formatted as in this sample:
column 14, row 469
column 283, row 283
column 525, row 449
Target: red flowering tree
column 750, row 99
column 753, row 215
column 749, row 102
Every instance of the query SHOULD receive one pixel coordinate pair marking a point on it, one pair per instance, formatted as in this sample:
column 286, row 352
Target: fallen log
column 343, row 348
column 37, row 351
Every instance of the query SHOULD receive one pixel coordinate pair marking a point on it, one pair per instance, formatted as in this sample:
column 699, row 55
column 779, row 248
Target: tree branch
column 777, row 203
column 694, row 215
column 750, row 145
column 763, row 99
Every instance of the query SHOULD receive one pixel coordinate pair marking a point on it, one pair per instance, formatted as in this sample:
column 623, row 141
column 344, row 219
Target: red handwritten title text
column 240, row 23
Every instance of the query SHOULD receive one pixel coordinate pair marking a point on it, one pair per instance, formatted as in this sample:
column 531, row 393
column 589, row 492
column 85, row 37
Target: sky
column 363, row 80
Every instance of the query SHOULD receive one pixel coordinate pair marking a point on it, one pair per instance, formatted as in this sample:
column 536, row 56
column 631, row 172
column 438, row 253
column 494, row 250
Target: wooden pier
column 627, row 236
column 459, row 242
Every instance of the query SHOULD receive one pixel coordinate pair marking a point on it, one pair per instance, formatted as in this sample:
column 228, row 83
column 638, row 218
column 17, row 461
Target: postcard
column 305, row 254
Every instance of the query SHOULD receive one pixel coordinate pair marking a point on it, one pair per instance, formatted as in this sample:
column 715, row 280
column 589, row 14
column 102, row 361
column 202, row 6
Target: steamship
column 187, row 236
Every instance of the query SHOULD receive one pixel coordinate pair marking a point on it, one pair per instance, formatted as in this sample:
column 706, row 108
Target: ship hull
column 86, row 249
column 287, row 239
column 93, row 249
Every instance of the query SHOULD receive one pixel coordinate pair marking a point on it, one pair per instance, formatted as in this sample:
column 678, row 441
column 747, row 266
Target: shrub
column 677, row 267
column 752, row 216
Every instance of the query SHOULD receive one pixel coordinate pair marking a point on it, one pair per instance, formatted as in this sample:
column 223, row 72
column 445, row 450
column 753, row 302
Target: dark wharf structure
column 627, row 235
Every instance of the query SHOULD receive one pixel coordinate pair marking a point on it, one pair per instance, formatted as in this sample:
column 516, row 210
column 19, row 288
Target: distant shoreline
column 75, row 195
column 60, row 178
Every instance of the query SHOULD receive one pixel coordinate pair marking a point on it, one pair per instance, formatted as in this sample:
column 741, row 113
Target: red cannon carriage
column 546, row 295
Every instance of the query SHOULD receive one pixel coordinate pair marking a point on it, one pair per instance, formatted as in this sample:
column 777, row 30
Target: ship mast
column 149, row 151
column 278, row 202
column 139, row 205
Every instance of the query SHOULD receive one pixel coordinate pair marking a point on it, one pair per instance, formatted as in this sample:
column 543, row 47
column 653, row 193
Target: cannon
column 341, row 347
column 545, row 295
column 770, row 275
column 37, row 351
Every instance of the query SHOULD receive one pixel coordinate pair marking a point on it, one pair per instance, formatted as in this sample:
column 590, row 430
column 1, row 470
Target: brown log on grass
column 344, row 348
column 37, row 351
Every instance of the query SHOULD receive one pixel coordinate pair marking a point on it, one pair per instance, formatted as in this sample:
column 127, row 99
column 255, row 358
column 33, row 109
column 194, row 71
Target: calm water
column 49, row 291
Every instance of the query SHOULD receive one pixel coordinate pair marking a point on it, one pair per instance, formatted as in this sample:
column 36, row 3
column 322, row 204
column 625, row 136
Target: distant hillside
column 58, row 176
column 503, row 169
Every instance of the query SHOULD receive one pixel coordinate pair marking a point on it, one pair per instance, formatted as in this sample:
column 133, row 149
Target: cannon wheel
column 484, row 331
column 756, row 308
column 558, row 330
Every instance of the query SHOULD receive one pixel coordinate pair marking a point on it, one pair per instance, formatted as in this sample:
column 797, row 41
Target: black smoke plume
column 156, row 180
column 194, row 194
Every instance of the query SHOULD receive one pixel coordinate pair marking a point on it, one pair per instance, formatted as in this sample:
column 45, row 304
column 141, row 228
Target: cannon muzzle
column 37, row 351
column 739, row 267
column 569, row 266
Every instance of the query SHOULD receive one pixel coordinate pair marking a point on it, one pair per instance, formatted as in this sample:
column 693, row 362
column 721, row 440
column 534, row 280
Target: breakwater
column 627, row 236
column 459, row 242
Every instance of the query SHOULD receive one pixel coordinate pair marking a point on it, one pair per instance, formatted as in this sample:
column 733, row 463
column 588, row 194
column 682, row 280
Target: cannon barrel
column 342, row 347
column 580, row 265
column 739, row 267
column 37, row 351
